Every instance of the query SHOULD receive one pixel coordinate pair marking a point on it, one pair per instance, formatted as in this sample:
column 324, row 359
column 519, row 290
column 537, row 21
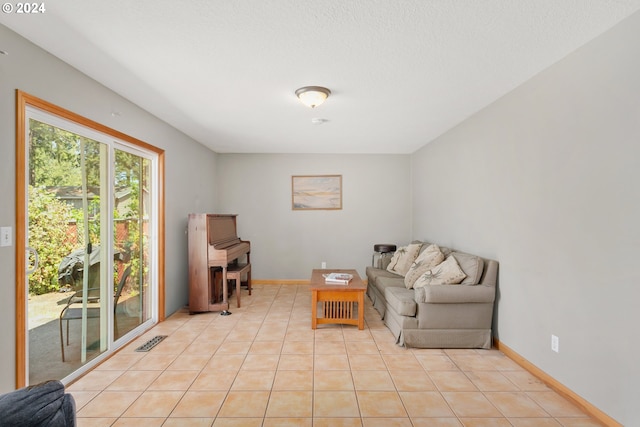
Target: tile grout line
column 292, row 305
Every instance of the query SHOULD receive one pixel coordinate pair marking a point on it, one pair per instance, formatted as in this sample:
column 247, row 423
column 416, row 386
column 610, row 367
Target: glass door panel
column 68, row 293
column 131, row 239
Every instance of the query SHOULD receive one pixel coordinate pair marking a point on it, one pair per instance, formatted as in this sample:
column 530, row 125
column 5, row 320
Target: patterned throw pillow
column 446, row 273
column 428, row 258
column 403, row 258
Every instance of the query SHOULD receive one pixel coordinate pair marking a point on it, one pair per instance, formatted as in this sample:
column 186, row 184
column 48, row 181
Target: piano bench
column 235, row 272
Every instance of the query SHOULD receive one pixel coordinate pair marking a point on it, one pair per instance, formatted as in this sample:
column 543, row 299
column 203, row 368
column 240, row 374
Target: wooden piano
column 213, row 245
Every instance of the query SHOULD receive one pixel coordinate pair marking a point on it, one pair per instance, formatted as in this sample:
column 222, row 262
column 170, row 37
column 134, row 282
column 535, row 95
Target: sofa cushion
column 428, row 258
column 374, row 273
column 403, row 258
column 383, row 282
column 401, row 300
column 447, row 272
column 471, row 265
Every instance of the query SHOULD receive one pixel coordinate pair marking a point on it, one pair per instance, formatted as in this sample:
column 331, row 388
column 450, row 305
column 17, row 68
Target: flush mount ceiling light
column 312, row 96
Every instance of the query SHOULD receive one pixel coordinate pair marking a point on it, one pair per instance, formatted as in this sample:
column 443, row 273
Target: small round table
column 381, row 251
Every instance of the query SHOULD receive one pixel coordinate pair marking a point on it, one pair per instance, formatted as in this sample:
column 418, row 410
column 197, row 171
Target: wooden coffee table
column 337, row 300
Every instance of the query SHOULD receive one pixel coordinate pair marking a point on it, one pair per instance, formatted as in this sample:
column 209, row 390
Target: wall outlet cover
column 5, row 236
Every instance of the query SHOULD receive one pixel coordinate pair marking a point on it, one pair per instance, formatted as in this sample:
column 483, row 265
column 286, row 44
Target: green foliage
column 54, row 157
column 94, row 223
column 54, row 161
column 48, row 227
column 132, row 173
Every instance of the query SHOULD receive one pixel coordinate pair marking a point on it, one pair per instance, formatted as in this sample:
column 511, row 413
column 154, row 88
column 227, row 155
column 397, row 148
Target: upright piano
column 213, row 245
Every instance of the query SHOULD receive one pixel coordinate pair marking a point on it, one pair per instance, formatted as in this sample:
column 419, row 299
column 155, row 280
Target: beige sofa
column 437, row 315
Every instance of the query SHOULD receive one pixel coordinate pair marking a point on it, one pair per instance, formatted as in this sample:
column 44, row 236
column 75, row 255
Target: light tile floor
column 264, row 366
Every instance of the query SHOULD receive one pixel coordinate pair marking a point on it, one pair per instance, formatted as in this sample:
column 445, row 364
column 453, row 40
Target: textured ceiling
column 401, row 72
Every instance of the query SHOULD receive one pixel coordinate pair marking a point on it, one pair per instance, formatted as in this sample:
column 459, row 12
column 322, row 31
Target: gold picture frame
column 316, row 192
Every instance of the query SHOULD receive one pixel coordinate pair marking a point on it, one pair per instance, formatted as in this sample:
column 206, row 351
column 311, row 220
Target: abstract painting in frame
column 312, row 192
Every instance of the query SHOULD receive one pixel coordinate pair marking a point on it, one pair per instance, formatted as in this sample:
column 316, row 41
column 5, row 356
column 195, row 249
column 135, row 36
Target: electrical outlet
column 555, row 343
column 5, row 236
column 324, row 264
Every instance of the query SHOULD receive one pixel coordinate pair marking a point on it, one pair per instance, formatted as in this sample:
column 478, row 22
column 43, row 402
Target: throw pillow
column 447, row 272
column 446, row 251
column 403, row 258
column 428, row 258
column 472, row 266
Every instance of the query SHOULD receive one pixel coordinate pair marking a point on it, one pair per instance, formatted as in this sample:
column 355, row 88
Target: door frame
column 23, row 100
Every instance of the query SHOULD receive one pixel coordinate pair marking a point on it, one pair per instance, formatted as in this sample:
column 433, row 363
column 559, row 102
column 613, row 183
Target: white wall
column 287, row 244
column 546, row 181
column 188, row 166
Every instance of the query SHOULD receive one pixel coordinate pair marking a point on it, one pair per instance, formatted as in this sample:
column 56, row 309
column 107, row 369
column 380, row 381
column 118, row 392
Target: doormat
column 151, row 343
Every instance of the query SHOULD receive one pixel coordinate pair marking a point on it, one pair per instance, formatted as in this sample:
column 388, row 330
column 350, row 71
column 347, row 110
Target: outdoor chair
column 73, row 309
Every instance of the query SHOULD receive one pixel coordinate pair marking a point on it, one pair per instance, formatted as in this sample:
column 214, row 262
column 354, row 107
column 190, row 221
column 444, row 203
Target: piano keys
column 213, row 245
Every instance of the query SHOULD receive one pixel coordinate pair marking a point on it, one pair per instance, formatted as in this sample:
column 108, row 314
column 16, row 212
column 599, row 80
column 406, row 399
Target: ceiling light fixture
column 312, row 96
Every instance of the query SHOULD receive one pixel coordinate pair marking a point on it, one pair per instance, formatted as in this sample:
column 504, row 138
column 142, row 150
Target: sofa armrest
column 455, row 294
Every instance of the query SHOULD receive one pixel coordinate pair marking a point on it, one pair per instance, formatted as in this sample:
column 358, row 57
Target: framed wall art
column 309, row 192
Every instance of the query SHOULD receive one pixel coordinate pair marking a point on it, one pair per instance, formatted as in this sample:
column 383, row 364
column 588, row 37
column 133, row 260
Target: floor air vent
column 151, row 343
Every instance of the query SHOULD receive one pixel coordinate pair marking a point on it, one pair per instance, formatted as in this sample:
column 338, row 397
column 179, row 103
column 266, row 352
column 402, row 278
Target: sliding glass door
column 91, row 270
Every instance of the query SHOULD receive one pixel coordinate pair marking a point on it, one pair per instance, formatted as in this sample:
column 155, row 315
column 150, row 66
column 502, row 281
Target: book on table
column 337, row 278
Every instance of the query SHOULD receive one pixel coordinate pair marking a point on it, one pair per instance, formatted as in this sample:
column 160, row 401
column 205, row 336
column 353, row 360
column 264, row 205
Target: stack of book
column 337, row 278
